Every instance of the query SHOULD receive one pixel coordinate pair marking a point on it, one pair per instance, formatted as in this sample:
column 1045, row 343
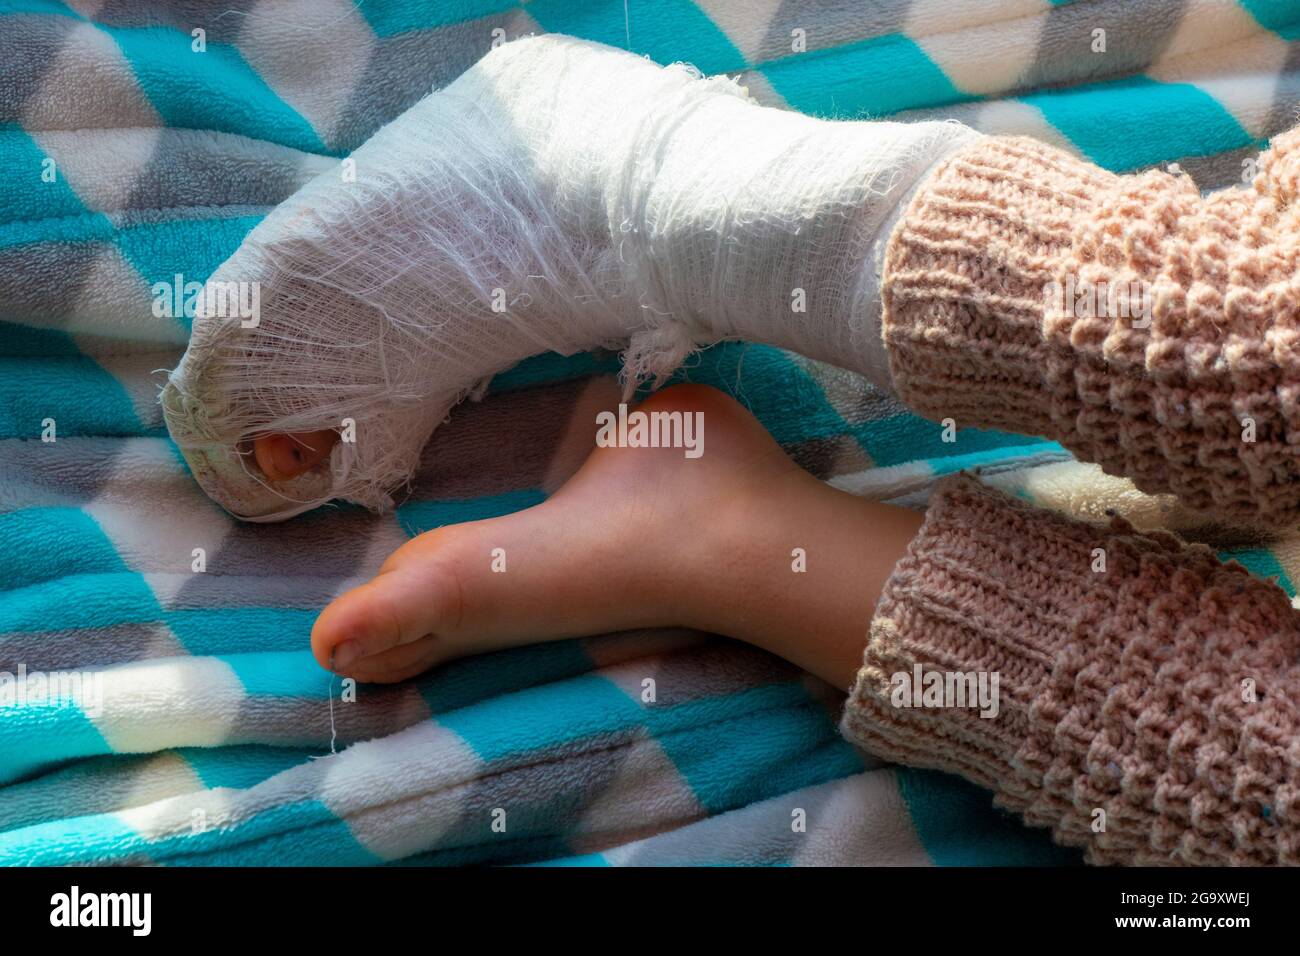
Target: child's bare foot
column 607, row 551
column 639, row 537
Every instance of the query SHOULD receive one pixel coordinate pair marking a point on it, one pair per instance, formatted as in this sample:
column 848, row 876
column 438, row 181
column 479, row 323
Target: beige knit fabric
column 972, row 336
column 1159, row 690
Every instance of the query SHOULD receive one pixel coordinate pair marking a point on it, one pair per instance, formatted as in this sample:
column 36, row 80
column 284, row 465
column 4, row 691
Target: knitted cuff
column 1127, row 690
column 1145, row 327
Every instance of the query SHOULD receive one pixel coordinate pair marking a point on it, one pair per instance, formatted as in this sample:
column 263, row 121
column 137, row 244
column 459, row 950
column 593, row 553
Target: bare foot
column 639, row 537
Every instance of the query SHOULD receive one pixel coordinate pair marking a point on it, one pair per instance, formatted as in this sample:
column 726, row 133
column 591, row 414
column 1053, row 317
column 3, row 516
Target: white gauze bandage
column 559, row 196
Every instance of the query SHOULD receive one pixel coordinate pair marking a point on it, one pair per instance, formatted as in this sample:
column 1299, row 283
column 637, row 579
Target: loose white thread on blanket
column 334, row 733
column 334, row 730
column 560, row 196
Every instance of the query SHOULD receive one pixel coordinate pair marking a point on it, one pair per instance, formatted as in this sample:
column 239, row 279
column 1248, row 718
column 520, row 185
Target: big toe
column 395, row 625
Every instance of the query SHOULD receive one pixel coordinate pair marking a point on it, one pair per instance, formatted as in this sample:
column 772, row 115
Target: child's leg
column 740, row 541
column 1151, row 692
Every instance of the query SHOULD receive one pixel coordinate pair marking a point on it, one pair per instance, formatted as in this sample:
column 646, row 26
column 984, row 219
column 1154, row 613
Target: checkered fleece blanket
column 141, row 140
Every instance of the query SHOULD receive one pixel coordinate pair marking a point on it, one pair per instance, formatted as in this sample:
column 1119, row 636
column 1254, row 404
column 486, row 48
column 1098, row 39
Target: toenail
column 346, row 653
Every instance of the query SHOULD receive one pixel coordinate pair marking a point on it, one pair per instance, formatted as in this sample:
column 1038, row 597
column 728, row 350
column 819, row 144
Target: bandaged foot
column 563, row 195
column 559, row 196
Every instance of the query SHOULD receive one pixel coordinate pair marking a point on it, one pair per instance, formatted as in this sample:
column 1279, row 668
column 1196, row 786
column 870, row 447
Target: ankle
column 734, row 574
column 799, row 575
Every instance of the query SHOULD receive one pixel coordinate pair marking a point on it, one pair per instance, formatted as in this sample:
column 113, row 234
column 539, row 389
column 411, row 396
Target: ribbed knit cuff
column 1103, row 672
column 965, row 272
column 1145, row 327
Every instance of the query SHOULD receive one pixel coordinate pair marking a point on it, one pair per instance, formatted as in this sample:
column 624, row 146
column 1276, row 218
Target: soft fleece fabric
column 214, row 745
